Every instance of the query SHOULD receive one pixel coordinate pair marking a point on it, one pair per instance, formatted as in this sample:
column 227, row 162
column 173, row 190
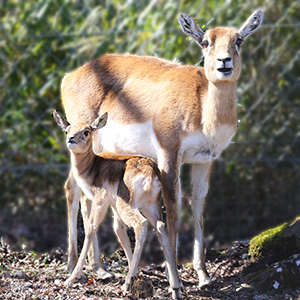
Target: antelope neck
column 82, row 162
column 219, row 107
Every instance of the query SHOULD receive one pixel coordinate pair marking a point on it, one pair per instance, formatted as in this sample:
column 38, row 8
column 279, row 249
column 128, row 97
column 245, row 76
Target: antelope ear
column 61, row 122
column 191, row 28
column 99, row 122
column 252, row 24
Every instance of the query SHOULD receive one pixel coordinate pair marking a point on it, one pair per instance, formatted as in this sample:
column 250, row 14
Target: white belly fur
column 127, row 139
column 140, row 139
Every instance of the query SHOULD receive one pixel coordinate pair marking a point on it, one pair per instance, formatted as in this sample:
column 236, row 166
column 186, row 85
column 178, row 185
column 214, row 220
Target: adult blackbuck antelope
column 170, row 112
column 129, row 184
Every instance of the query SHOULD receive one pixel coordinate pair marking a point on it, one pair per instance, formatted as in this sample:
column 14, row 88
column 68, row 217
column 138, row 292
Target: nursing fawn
column 131, row 185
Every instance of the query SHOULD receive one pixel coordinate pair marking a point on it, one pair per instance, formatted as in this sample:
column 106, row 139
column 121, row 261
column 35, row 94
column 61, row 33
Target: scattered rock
column 18, row 274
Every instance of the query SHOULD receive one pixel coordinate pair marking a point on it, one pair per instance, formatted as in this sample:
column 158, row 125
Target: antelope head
column 221, row 46
column 79, row 136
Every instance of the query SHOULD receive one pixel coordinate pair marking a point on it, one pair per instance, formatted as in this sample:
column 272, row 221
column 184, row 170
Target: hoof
column 204, row 281
column 125, row 287
column 69, row 282
column 176, row 294
column 203, row 277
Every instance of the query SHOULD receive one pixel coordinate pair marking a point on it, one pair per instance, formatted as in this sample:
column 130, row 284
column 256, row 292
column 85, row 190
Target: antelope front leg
column 200, row 178
column 99, row 208
column 73, row 194
column 95, row 264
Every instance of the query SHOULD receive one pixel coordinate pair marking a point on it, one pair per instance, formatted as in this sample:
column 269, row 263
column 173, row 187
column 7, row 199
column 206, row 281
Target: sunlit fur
column 171, row 112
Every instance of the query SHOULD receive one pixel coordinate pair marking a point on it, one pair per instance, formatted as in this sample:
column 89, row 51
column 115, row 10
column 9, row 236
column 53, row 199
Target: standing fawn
column 129, row 184
column 170, row 112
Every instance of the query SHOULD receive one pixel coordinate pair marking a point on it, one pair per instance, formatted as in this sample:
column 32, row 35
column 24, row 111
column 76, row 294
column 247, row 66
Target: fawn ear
column 252, row 24
column 61, row 122
column 191, row 28
column 99, row 122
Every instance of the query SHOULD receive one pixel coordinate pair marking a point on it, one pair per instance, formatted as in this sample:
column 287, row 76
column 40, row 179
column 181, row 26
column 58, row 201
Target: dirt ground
column 23, row 275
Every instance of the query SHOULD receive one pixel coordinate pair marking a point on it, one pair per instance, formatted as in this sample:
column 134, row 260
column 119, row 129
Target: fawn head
column 79, row 136
column 221, row 46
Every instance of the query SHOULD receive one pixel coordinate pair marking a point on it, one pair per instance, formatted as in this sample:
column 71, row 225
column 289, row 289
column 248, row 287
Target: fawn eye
column 204, row 44
column 239, row 42
column 86, row 133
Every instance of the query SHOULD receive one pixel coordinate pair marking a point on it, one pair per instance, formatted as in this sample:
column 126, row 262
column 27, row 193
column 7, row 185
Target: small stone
column 245, row 256
column 276, row 285
column 244, row 286
column 18, row 274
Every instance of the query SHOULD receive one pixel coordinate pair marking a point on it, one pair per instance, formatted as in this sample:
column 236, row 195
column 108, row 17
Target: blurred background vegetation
column 254, row 185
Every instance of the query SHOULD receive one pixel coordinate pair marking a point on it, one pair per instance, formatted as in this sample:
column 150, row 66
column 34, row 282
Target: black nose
column 71, row 140
column 224, row 59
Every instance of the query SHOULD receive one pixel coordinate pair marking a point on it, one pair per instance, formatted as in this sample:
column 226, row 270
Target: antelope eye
column 204, row 44
column 239, row 42
column 86, row 133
